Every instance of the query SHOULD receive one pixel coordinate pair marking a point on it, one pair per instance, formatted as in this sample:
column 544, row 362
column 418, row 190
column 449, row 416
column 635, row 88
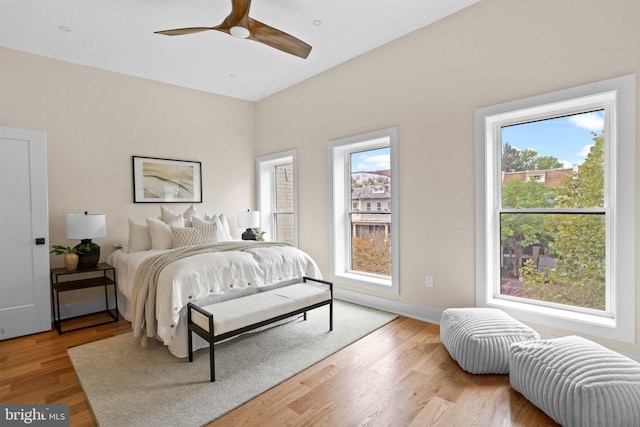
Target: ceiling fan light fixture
column 239, row 32
column 239, row 24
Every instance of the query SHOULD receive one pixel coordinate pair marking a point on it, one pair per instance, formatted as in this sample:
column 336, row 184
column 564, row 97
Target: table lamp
column 249, row 220
column 86, row 227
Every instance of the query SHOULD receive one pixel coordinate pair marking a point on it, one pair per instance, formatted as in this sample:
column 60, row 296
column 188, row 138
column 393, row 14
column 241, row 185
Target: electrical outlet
column 429, row 282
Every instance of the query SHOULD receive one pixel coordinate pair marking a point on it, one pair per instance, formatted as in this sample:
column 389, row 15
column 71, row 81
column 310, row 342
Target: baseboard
column 408, row 310
column 85, row 307
column 416, row 312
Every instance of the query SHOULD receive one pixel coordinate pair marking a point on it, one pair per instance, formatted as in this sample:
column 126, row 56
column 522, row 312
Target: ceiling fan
column 240, row 24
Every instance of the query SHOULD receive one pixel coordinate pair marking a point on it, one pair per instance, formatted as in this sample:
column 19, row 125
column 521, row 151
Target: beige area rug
column 127, row 385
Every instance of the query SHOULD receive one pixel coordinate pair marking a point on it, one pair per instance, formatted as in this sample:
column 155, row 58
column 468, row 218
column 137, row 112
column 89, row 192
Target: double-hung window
column 364, row 225
column 277, row 196
column 555, row 202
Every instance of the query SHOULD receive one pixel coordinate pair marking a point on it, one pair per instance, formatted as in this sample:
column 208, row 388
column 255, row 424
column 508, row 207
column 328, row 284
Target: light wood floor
column 399, row 375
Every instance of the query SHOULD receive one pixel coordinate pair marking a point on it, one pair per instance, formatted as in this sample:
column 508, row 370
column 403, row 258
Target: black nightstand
column 100, row 275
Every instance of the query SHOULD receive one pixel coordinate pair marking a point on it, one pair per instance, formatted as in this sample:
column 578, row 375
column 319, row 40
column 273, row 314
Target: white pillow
column 224, row 235
column 199, row 222
column 167, row 215
column 189, row 214
column 191, row 236
column 139, row 237
column 161, row 234
column 225, row 227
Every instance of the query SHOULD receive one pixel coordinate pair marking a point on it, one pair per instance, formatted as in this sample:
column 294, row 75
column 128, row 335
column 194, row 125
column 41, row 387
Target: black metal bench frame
column 212, row 339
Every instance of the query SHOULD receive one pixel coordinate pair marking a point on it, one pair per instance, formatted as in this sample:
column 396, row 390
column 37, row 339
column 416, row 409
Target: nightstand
column 101, row 275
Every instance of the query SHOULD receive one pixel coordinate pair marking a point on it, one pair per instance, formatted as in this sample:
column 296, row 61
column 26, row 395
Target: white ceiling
column 117, row 35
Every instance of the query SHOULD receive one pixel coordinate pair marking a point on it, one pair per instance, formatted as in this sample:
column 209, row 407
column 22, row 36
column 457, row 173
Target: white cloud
column 566, row 164
column 593, row 122
column 585, row 150
column 373, row 163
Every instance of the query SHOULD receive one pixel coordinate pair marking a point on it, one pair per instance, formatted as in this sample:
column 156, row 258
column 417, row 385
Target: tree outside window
column 552, row 227
column 371, row 239
column 364, row 241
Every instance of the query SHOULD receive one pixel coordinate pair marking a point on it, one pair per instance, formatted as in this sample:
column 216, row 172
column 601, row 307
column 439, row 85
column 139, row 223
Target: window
column 553, row 232
column 364, row 250
column 555, row 208
column 277, row 196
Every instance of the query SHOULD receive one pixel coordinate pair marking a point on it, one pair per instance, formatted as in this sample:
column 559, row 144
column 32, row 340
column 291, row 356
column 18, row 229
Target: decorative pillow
column 222, row 236
column 139, row 237
column 161, row 234
column 167, row 215
column 189, row 214
column 225, row 227
column 192, row 236
column 199, row 222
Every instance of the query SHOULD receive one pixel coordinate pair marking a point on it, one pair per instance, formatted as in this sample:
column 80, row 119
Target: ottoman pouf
column 479, row 338
column 577, row 382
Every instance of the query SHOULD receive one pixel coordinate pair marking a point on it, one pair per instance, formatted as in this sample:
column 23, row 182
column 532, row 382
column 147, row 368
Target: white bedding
column 206, row 278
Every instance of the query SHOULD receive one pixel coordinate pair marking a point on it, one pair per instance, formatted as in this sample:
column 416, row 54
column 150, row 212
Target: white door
column 25, row 296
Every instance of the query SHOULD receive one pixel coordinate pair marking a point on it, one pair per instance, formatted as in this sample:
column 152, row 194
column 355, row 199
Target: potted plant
column 259, row 234
column 70, row 254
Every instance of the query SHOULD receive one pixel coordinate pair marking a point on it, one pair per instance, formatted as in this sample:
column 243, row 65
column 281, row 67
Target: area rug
column 127, row 385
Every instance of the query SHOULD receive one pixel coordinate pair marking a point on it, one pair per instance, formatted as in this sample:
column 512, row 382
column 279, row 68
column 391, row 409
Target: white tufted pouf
column 577, row 382
column 479, row 338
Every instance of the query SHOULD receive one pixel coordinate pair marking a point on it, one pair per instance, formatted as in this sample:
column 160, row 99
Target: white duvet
column 206, row 278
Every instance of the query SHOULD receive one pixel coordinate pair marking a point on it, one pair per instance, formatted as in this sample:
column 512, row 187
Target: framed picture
column 166, row 181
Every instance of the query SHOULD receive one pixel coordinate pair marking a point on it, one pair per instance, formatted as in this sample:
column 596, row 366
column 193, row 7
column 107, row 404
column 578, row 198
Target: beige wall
column 96, row 120
column 428, row 84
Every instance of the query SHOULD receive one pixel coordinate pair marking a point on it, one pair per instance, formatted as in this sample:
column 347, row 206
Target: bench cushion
column 577, row 382
column 240, row 312
column 479, row 338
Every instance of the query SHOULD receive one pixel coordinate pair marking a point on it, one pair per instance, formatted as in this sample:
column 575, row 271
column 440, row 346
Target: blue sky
column 372, row 160
column 566, row 138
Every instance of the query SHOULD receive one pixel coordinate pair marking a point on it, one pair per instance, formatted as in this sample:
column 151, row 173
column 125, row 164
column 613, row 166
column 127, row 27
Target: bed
column 203, row 274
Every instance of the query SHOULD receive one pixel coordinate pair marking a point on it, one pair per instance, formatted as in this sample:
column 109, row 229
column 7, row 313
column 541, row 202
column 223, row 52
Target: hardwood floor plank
column 36, row 369
column 432, row 413
column 399, row 375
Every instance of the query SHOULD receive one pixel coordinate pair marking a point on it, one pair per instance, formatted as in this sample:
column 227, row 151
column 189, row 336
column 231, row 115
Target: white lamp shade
column 81, row 226
column 248, row 219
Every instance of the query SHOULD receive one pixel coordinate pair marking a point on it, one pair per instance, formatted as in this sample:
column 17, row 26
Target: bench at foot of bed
column 219, row 321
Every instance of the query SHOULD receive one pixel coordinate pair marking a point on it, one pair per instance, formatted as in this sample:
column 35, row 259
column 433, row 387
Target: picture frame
column 157, row 180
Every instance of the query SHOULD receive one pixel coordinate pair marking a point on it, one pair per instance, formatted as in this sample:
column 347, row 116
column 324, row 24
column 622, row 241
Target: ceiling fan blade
column 278, row 39
column 239, row 24
column 239, row 12
column 182, row 31
column 239, row 16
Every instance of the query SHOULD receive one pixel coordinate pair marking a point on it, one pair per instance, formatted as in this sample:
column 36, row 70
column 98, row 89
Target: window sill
column 584, row 323
column 367, row 282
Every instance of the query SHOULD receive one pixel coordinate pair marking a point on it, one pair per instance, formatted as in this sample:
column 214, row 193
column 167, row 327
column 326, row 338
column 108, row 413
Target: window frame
column 340, row 185
column 266, row 191
column 618, row 95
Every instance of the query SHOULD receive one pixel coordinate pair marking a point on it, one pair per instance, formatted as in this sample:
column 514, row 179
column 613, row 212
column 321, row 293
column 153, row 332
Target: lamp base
column 249, row 234
column 88, row 259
